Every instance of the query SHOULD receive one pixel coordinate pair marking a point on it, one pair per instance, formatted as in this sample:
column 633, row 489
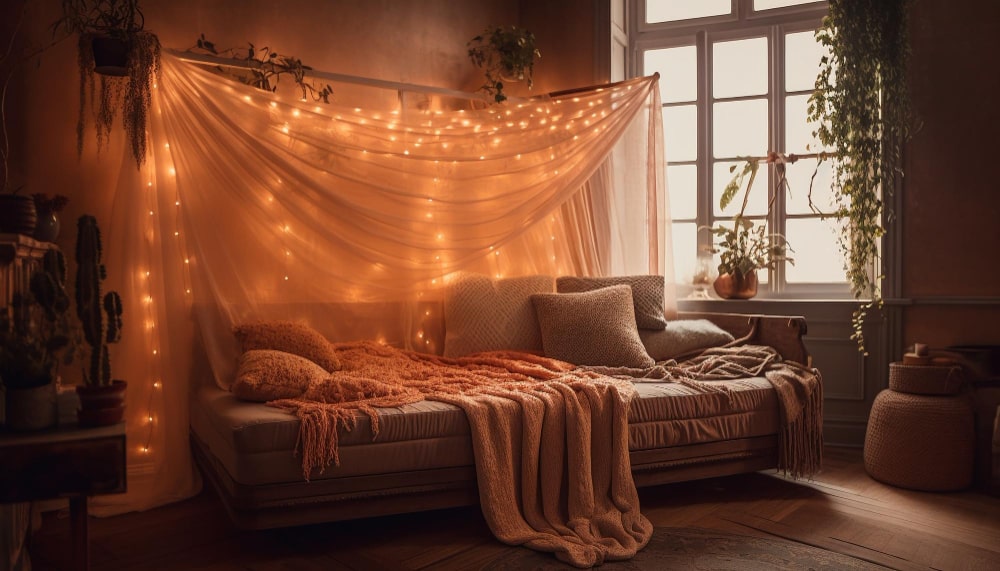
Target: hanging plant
column 113, row 45
column 861, row 107
column 507, row 54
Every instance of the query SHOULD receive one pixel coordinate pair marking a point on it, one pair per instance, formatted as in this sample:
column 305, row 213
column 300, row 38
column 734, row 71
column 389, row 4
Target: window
column 735, row 79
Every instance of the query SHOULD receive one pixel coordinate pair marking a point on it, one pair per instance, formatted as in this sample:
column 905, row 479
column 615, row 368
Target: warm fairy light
column 156, row 384
column 187, row 261
column 149, row 299
column 150, row 183
column 428, row 312
column 274, row 104
column 166, row 145
column 150, row 212
column 295, row 113
column 420, row 334
column 177, row 203
column 172, row 171
column 177, row 233
column 155, row 352
column 286, row 278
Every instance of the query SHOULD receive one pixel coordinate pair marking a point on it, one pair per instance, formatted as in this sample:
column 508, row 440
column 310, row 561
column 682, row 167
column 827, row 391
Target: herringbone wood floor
column 842, row 510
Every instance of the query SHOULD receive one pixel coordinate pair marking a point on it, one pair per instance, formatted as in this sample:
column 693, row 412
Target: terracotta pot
column 17, row 214
column 101, row 405
column 110, row 56
column 31, row 409
column 736, row 286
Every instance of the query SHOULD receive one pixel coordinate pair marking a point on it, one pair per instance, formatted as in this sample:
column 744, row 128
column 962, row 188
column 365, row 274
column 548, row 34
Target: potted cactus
column 36, row 337
column 102, row 400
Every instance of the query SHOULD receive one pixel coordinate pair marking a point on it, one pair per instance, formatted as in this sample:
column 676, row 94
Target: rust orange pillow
column 290, row 337
column 265, row 374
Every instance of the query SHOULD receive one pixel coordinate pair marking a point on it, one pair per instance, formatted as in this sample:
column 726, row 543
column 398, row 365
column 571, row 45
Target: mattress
column 256, row 443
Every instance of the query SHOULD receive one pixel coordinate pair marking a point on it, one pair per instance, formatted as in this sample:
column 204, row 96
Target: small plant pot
column 101, row 405
column 17, row 214
column 47, row 227
column 110, row 56
column 736, row 286
column 31, row 409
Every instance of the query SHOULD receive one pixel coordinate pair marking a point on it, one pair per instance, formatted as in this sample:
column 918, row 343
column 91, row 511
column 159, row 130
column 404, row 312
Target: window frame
column 742, row 23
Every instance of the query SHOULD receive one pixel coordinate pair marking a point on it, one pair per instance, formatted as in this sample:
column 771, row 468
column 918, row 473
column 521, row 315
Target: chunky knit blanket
column 550, row 440
column 550, row 443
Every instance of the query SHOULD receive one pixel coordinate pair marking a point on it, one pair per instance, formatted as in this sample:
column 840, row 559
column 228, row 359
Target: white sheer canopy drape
column 255, row 206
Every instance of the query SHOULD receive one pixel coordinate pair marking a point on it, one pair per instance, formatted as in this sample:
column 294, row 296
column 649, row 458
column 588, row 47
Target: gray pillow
column 683, row 337
column 591, row 328
column 647, row 295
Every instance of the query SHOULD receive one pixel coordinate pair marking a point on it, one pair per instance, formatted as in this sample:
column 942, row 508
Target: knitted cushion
column 290, row 337
column 591, row 328
column 683, row 337
column 265, row 375
column 482, row 314
column 647, row 295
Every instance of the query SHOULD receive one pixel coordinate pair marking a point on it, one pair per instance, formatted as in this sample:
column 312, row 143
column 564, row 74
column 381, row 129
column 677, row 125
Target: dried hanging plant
column 120, row 20
column 861, row 106
column 507, row 54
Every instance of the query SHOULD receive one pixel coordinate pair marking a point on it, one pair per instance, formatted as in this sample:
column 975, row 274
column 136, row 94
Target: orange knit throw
column 550, row 443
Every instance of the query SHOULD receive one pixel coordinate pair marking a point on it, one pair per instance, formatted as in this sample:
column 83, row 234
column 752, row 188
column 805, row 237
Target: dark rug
column 700, row 549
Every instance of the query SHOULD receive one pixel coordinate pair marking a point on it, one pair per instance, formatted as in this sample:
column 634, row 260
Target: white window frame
column 741, row 23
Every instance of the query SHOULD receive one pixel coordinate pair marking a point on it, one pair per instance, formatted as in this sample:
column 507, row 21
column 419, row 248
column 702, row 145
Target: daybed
column 423, row 457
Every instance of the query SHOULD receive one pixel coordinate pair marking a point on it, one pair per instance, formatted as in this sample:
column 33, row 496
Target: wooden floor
column 843, row 510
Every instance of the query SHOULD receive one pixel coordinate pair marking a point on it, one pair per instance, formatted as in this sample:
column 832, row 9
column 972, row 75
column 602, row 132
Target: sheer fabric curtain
column 257, row 206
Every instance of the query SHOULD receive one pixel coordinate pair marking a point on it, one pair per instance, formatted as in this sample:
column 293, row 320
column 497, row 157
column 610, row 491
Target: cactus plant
column 35, row 331
column 100, row 317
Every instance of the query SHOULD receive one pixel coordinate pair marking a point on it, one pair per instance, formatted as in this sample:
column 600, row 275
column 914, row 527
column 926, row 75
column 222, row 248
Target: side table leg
column 81, row 539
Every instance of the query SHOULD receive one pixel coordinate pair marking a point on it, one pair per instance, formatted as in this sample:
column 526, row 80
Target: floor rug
column 701, row 549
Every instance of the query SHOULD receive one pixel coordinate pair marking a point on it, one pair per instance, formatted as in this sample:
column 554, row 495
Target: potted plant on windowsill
column 114, row 43
column 507, row 54
column 102, row 399
column 745, row 247
column 36, row 337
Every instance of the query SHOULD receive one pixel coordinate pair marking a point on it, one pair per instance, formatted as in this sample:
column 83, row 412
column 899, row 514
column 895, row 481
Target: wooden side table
column 65, row 462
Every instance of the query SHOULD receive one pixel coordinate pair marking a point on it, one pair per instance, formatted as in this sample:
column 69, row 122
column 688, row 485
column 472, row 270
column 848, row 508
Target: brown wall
column 417, row 41
column 951, row 195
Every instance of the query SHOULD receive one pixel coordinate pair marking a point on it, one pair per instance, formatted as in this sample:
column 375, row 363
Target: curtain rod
column 205, row 59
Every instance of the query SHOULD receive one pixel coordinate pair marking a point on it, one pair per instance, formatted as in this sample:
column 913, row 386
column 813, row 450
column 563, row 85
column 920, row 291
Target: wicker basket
column 920, row 442
column 925, row 379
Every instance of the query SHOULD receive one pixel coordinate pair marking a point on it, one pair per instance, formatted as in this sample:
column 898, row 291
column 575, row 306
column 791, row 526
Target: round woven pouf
column 920, row 442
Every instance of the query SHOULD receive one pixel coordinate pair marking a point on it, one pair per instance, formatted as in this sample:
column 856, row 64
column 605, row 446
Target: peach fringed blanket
column 550, row 442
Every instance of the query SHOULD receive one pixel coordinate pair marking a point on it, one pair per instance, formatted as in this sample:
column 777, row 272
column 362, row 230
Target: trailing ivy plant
column 266, row 67
column 861, row 108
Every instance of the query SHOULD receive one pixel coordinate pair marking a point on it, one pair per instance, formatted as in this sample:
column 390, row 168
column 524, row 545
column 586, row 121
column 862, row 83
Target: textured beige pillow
column 683, row 337
column 290, row 337
column 482, row 314
column 591, row 328
column 647, row 295
column 265, row 375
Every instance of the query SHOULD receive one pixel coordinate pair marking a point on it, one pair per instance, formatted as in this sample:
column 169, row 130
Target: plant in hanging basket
column 506, row 54
column 114, row 44
column 102, row 400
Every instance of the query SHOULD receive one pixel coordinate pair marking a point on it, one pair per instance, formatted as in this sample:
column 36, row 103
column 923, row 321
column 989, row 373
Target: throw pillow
column 290, row 337
column 591, row 328
column 683, row 337
column 265, row 375
column 647, row 295
column 483, row 314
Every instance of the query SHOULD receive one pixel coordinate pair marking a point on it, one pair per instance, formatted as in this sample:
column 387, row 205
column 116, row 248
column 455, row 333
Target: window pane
column 678, row 72
column 756, row 204
column 770, row 4
column 802, row 55
column 798, row 176
column 739, row 68
column 682, row 184
column 798, row 130
column 816, row 252
column 680, row 132
column 672, row 10
column 685, row 246
column 739, row 128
